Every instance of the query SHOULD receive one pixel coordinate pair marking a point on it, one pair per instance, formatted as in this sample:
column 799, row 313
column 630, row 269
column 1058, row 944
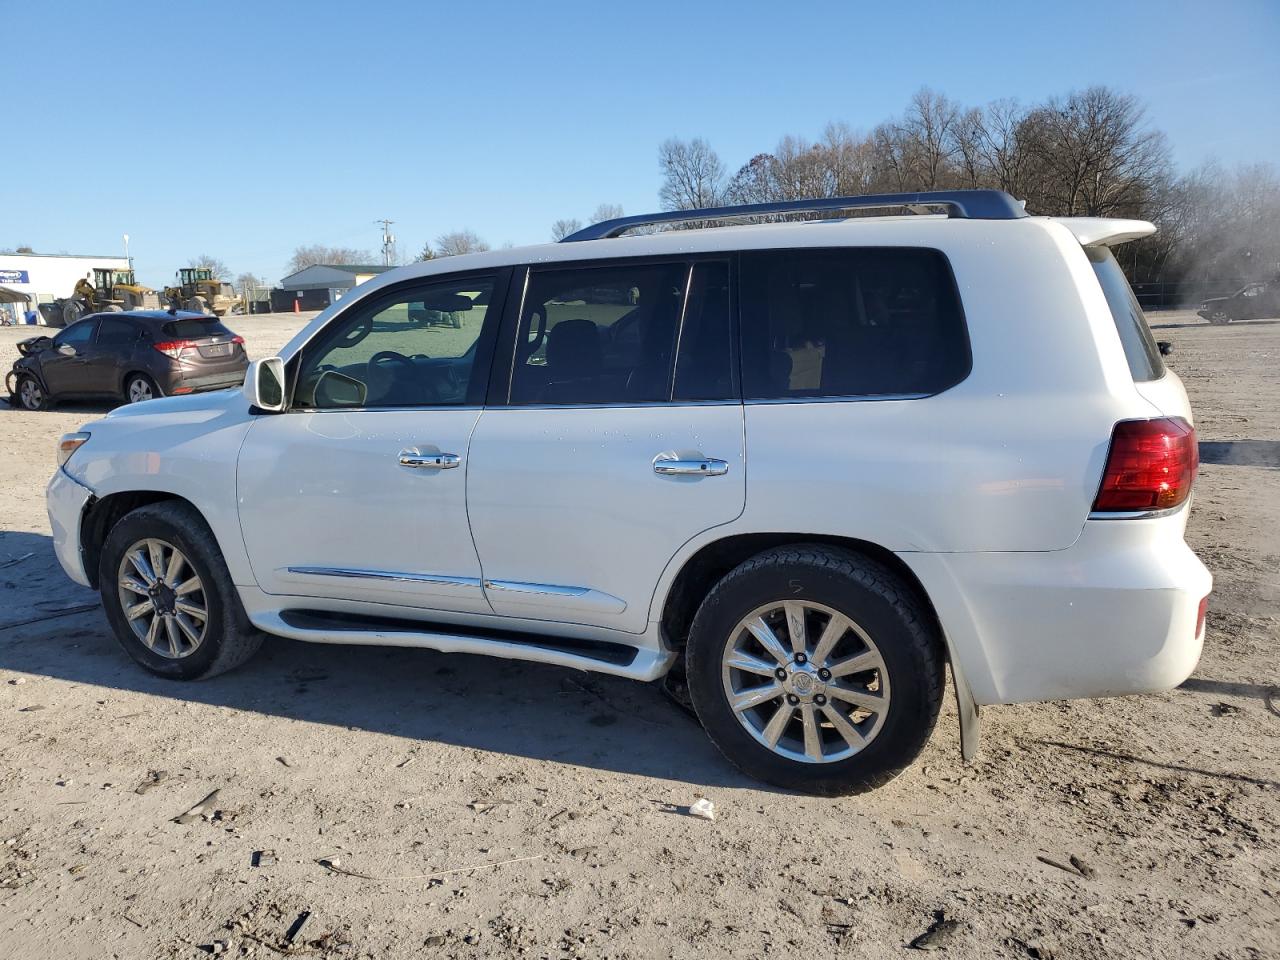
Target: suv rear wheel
column 169, row 597
column 815, row 669
column 140, row 387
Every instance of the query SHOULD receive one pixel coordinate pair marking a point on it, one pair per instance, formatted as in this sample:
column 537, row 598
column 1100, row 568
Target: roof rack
column 964, row 204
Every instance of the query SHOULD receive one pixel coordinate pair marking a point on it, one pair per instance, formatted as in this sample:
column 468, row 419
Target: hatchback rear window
column 1140, row 347
column 194, row 329
column 850, row 323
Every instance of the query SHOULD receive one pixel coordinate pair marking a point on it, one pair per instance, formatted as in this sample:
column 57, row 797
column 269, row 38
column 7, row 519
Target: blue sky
column 242, row 130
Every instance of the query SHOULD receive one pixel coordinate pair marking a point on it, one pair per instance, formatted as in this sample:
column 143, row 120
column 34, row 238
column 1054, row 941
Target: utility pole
column 388, row 243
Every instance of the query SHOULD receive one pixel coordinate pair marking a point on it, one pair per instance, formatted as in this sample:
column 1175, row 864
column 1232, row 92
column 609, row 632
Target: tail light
column 174, row 348
column 237, row 339
column 1200, row 615
column 1151, row 466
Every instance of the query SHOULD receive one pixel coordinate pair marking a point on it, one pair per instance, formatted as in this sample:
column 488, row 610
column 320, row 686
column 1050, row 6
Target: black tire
column 1219, row 317
column 866, row 592
column 141, row 379
column 30, row 394
column 229, row 639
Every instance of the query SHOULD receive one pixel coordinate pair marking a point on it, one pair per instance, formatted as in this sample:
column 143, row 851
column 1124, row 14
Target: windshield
column 1135, row 336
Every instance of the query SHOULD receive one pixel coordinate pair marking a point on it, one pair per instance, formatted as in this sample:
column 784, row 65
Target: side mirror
column 264, row 384
column 67, row 350
column 1166, row 347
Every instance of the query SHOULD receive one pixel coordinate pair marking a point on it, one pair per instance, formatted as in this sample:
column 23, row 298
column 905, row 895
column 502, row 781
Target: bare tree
column 216, row 267
column 308, row 256
column 1095, row 155
column 606, row 211
column 562, row 228
column 459, row 242
column 692, row 174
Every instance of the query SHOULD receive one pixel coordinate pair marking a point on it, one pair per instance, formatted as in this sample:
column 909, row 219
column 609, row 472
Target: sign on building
column 14, row 276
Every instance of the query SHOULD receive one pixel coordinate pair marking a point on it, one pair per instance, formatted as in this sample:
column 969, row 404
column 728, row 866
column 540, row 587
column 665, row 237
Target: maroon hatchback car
column 131, row 356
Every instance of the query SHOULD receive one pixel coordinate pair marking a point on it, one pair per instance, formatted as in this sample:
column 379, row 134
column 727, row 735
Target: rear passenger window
column 850, row 323
column 1140, row 348
column 113, row 332
column 608, row 334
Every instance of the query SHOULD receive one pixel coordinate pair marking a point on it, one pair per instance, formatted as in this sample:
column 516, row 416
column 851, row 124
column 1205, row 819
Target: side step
column 601, row 656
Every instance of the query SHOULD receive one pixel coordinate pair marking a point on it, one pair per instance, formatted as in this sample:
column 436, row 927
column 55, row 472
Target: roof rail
column 965, row 204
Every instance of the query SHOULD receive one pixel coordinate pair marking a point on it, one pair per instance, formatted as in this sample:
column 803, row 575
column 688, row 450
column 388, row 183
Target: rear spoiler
column 1092, row 231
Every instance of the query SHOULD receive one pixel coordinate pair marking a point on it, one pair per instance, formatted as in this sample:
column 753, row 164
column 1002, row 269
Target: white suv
column 802, row 465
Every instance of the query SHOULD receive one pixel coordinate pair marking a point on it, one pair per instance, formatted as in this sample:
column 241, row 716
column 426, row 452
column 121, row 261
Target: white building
column 46, row 277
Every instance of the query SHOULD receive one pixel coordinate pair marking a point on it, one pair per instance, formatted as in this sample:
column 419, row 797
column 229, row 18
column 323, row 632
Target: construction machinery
column 112, row 291
column 199, row 291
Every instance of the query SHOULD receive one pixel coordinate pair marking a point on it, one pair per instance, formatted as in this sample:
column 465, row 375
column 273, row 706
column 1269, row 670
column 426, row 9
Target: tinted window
column 413, row 348
column 704, row 359
column 78, row 334
column 599, row 334
column 114, row 332
column 194, row 329
column 1135, row 336
column 850, row 323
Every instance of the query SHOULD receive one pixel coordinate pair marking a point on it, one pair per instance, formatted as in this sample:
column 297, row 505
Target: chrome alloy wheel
column 805, row 681
column 30, row 394
column 139, row 390
column 163, row 598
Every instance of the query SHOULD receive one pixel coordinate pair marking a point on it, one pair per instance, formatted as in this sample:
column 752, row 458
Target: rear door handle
column 704, row 467
column 413, row 457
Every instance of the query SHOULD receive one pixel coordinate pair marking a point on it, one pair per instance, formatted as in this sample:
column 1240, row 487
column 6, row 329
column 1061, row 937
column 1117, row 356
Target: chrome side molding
column 390, row 575
column 546, row 595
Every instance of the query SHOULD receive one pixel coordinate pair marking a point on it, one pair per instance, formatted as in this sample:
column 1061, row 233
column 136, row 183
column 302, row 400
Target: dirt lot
column 406, row 764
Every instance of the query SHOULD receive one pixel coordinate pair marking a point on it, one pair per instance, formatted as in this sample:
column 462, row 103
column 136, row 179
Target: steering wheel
column 381, row 376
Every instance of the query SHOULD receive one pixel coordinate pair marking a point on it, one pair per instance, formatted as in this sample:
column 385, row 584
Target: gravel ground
column 470, row 807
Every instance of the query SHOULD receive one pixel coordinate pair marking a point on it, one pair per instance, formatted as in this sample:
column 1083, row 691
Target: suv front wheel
column 815, row 669
column 169, row 597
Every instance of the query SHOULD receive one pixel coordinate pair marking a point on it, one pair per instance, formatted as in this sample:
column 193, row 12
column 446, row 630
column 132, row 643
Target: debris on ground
column 283, row 762
column 1224, row 709
column 202, row 809
column 296, row 928
column 264, row 858
column 153, row 779
column 484, row 806
column 1076, row 867
column 942, row 934
column 704, row 808
column 33, row 708
column 1085, row 870
column 333, row 864
column 16, row 560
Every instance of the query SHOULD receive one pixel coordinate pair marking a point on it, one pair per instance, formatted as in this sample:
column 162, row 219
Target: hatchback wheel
column 169, row 597
column 1220, row 316
column 140, row 387
column 31, row 395
column 816, row 669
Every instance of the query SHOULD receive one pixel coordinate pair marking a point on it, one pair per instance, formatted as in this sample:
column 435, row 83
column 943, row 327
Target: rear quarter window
column 194, row 329
column 863, row 322
column 1140, row 348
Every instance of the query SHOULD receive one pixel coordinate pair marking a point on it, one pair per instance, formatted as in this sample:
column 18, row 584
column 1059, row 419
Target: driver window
column 415, row 348
column 78, row 334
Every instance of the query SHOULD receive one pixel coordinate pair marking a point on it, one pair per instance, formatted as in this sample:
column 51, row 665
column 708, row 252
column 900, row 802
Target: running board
column 600, row 656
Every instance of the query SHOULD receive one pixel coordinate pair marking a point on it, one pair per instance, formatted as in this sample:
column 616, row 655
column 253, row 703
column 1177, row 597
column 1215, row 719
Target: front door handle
column 413, row 457
column 673, row 467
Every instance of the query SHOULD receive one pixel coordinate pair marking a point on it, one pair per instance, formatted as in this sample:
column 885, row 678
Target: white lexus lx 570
column 804, row 465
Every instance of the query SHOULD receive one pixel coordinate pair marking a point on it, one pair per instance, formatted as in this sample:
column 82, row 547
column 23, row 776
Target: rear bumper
column 66, row 501
column 1114, row 614
column 197, row 381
